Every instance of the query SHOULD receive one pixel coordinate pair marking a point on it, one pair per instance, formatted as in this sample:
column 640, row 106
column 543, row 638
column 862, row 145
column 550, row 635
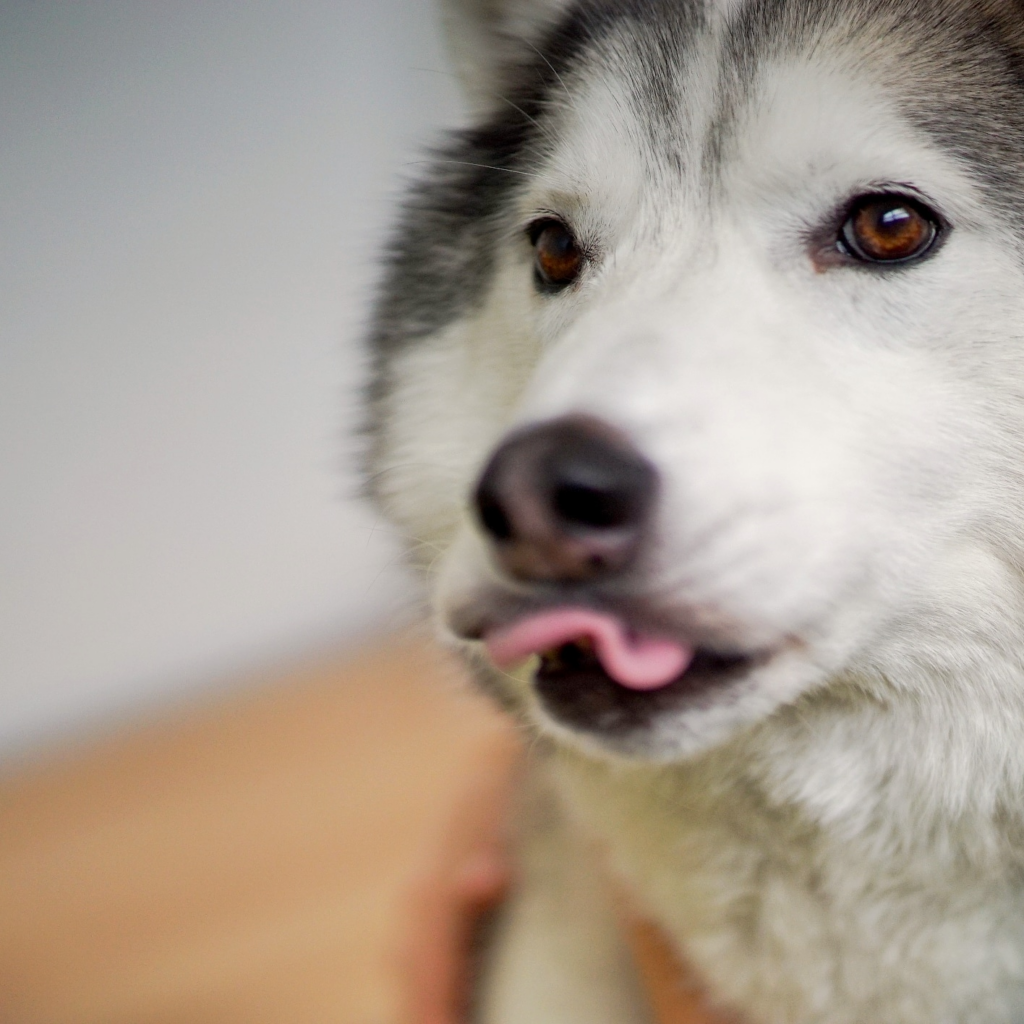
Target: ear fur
column 485, row 35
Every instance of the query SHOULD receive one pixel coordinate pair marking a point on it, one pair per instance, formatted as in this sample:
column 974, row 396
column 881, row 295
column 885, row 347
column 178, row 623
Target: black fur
column 439, row 260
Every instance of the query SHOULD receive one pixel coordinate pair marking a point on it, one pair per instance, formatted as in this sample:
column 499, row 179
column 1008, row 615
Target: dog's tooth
column 551, row 659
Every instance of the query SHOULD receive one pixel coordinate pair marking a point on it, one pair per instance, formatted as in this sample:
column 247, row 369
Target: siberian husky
column 699, row 392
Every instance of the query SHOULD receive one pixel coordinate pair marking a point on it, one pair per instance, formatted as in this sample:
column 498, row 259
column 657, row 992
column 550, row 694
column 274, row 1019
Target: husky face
column 771, row 253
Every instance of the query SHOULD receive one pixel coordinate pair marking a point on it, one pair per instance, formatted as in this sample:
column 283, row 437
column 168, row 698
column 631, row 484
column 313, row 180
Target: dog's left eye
column 558, row 256
column 888, row 228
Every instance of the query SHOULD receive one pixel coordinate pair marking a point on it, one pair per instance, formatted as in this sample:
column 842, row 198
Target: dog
column 698, row 390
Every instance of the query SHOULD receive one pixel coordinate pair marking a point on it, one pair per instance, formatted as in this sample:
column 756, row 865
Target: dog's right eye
column 558, row 258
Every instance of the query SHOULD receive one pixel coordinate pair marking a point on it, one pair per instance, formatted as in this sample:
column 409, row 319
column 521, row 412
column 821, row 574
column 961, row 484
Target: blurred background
column 192, row 197
column 206, row 811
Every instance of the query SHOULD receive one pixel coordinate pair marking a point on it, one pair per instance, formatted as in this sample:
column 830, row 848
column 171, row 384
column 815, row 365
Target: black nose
column 566, row 501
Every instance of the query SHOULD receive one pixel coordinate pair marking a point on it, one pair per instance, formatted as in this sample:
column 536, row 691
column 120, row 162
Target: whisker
column 397, row 467
column 486, row 167
column 431, row 567
column 427, row 545
column 561, row 81
column 515, row 106
column 434, row 71
column 386, row 567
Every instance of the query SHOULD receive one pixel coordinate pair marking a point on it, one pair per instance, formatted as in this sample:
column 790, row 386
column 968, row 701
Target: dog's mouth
column 632, row 659
column 597, row 674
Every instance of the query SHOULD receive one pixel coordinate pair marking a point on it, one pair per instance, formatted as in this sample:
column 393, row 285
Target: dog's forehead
column 955, row 67
column 677, row 83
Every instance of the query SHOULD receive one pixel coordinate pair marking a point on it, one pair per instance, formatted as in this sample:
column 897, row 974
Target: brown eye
column 889, row 229
column 558, row 257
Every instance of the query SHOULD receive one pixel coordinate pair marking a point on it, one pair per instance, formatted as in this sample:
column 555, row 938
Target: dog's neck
column 780, row 862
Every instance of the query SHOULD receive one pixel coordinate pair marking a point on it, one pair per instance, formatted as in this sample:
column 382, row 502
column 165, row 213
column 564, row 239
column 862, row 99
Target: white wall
column 191, row 198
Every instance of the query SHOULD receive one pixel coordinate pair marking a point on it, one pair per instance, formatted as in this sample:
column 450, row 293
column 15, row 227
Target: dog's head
column 700, row 359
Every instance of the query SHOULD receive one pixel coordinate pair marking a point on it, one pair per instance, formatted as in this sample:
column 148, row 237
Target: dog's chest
column 785, row 923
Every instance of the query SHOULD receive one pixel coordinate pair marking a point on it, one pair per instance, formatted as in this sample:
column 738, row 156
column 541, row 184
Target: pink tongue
column 636, row 662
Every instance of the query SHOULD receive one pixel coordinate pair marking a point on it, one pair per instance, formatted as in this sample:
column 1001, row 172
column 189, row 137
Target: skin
column 464, row 878
column 469, row 876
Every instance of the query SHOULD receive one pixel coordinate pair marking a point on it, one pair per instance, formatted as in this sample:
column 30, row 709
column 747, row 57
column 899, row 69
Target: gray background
column 191, row 199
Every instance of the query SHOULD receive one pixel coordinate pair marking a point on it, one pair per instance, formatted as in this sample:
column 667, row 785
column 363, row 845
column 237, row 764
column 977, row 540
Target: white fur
column 842, row 457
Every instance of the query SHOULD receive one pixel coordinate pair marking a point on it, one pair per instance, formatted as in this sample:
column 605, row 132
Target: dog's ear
column 485, row 36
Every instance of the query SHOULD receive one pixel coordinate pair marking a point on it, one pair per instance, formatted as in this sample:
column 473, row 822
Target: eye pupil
column 888, row 229
column 559, row 259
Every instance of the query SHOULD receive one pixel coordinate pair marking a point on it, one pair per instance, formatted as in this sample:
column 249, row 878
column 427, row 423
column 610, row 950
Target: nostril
column 598, row 485
column 593, row 507
column 492, row 515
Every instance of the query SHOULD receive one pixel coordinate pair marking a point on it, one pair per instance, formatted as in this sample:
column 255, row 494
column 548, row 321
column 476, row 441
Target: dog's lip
column 482, row 618
column 486, row 613
column 573, row 691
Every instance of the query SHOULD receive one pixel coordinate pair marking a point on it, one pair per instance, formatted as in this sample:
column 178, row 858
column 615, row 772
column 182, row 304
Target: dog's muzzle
column 567, row 509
